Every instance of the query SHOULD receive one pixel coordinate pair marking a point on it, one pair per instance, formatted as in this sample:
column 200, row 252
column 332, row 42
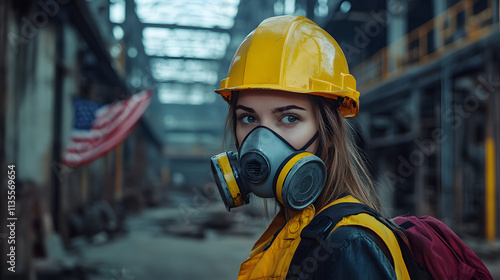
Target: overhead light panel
column 117, row 11
column 188, row 94
column 184, row 70
column 200, row 13
column 187, row 43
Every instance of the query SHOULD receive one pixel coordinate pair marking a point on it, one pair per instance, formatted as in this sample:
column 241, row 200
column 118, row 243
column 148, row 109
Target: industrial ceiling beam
column 87, row 27
column 177, row 81
column 175, row 26
column 183, row 58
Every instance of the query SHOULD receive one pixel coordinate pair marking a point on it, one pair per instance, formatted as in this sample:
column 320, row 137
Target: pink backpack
column 437, row 249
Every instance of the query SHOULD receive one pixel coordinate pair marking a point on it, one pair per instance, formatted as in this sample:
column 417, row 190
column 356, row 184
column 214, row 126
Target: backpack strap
column 327, row 220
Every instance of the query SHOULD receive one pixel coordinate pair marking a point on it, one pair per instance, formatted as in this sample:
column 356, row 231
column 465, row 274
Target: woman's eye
column 289, row 119
column 248, row 119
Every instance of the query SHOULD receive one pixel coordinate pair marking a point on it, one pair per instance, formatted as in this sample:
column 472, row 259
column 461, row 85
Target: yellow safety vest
column 274, row 262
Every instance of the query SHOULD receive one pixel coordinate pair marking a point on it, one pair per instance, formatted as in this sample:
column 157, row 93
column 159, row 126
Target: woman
column 289, row 90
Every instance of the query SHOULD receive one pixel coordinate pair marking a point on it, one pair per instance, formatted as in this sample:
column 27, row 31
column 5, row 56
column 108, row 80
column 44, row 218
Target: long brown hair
column 346, row 169
column 347, row 172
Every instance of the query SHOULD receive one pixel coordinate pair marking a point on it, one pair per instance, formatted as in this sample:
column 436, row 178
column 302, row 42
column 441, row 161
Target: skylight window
column 117, row 11
column 185, row 40
column 184, row 70
column 188, row 43
column 201, row 13
column 194, row 94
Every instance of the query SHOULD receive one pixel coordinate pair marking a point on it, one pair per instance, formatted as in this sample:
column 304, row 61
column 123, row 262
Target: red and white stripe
column 112, row 125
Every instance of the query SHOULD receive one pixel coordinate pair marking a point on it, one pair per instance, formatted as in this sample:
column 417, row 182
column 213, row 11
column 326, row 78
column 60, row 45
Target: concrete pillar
column 386, row 194
column 397, row 11
column 420, row 172
column 29, row 115
column 4, row 11
column 492, row 148
column 35, row 115
column 439, row 7
column 447, row 202
column 495, row 11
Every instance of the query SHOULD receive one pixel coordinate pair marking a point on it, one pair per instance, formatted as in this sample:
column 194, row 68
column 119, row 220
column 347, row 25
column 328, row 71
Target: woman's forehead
column 270, row 98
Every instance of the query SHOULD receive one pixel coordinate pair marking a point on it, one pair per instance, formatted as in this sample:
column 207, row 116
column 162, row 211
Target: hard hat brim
column 347, row 109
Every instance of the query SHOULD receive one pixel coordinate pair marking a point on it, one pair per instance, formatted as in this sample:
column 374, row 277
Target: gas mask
column 268, row 166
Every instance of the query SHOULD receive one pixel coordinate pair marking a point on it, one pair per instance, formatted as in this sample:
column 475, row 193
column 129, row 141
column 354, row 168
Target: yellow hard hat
column 292, row 53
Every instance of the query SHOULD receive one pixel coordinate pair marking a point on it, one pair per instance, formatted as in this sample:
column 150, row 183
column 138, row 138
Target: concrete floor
column 147, row 253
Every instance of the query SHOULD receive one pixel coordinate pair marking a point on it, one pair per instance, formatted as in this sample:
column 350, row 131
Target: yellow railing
column 461, row 24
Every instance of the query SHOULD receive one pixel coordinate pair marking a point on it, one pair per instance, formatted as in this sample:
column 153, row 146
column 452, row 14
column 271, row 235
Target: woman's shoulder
column 357, row 253
column 355, row 237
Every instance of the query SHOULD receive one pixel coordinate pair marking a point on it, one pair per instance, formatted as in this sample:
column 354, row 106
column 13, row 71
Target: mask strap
column 309, row 143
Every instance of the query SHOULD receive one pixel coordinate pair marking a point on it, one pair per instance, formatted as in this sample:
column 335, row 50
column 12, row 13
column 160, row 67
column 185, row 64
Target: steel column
column 447, row 203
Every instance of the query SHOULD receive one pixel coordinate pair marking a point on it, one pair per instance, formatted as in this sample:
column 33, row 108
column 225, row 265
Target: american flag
column 98, row 128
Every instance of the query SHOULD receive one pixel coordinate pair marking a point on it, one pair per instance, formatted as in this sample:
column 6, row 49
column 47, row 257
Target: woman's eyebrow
column 286, row 108
column 250, row 110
